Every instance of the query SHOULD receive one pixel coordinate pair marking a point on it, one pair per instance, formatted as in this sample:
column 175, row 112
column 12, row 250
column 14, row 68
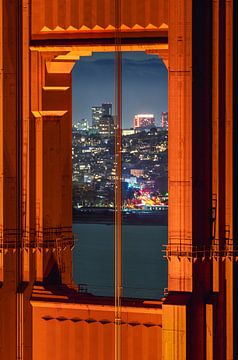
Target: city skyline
column 144, row 85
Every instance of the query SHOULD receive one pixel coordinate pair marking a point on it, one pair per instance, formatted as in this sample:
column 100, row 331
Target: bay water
column 144, row 269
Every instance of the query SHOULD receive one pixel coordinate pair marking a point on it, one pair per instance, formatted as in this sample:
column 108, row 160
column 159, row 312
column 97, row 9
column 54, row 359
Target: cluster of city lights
column 142, row 198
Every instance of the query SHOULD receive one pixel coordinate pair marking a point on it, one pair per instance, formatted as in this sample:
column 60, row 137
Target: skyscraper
column 106, row 125
column 98, row 112
column 164, row 120
column 107, row 108
column 82, row 125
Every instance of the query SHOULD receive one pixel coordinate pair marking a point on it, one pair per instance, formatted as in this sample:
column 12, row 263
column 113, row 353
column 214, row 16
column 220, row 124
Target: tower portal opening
column 144, row 173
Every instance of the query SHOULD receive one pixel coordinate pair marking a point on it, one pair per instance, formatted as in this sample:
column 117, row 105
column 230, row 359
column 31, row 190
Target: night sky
column 144, row 85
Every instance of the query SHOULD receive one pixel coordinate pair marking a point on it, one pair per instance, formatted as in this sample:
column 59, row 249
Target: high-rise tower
column 98, row 112
column 164, row 120
column 107, row 108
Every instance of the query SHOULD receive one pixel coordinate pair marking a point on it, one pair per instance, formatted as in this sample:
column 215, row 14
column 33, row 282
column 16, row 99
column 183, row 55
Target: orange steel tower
column 42, row 315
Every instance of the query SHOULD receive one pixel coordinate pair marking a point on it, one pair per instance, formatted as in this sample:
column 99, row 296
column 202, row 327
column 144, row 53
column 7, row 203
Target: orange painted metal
column 229, row 216
column 96, row 18
column 35, row 205
column 180, row 227
column 86, row 329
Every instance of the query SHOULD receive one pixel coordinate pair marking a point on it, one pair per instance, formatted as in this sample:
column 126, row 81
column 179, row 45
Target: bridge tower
column 40, row 42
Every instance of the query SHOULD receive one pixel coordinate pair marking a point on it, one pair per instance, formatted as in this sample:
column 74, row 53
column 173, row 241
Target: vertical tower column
column 189, row 232
column 235, row 174
column 180, row 146
column 222, row 178
column 27, row 214
column 10, row 174
column 180, row 268
column 229, row 216
column 53, row 148
column 218, row 176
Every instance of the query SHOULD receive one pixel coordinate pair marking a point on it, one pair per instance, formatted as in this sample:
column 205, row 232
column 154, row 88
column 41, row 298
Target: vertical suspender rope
column 118, row 186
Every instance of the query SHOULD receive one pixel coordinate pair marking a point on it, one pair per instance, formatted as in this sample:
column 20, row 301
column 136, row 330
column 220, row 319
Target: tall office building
column 164, row 120
column 106, row 125
column 98, row 112
column 82, row 125
column 144, row 121
column 107, row 108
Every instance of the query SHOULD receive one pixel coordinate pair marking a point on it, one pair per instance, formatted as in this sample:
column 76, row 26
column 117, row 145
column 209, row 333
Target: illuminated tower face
column 107, row 108
column 164, row 120
column 106, row 125
column 144, row 121
column 97, row 112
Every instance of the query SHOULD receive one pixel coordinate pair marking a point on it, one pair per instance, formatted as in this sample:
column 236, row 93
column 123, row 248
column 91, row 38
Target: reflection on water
column 144, row 268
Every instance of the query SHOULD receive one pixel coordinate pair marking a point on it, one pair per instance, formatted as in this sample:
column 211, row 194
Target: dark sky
column 144, row 85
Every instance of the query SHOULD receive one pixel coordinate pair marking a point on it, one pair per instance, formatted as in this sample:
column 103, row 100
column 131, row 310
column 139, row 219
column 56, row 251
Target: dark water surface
column 144, row 268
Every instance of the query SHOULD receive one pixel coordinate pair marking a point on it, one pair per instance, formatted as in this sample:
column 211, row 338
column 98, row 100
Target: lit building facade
column 144, row 121
column 126, row 132
column 137, row 172
column 106, row 125
column 164, row 120
column 82, row 125
column 107, row 108
column 98, row 112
